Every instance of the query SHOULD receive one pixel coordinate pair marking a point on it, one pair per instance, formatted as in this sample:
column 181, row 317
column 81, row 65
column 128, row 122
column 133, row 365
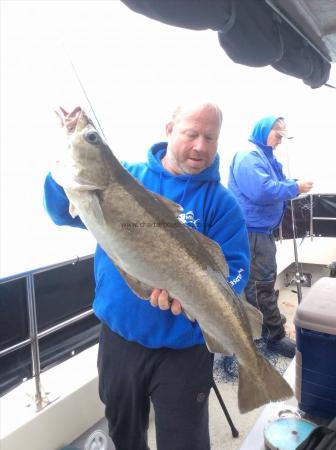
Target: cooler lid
column 317, row 311
column 286, row 433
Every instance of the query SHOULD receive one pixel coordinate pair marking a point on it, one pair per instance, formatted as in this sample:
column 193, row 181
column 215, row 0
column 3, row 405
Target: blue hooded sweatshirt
column 257, row 181
column 207, row 207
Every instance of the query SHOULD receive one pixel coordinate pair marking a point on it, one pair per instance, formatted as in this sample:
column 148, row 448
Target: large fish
column 141, row 233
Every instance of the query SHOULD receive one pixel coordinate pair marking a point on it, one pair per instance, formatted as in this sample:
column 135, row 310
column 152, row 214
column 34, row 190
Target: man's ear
column 169, row 128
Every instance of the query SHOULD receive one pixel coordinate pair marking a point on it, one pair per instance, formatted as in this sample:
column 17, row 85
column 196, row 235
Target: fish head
column 86, row 161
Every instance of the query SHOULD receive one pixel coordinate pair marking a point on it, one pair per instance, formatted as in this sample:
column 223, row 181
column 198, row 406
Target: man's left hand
column 160, row 298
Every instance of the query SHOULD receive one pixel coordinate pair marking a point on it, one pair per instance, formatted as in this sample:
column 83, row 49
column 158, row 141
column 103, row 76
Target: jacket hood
column 262, row 129
column 157, row 152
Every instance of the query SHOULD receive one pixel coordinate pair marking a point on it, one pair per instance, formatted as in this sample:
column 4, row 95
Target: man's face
column 192, row 141
column 276, row 134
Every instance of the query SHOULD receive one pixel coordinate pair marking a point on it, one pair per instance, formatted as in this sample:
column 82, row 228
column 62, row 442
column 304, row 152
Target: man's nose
column 199, row 143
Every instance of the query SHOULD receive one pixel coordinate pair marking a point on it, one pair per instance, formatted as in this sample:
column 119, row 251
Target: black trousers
column 260, row 287
column 177, row 381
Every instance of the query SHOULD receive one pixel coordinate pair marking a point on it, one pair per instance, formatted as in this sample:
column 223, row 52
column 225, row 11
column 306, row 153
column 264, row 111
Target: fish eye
column 92, row 137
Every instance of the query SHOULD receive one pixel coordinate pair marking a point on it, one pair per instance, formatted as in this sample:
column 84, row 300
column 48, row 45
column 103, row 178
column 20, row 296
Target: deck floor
column 227, row 383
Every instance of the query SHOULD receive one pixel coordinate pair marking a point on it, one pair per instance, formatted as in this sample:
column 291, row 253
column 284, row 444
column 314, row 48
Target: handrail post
column 296, row 256
column 311, row 231
column 33, row 334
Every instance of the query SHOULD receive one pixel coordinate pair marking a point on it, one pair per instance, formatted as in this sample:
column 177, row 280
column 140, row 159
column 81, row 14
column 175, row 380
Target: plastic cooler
column 315, row 322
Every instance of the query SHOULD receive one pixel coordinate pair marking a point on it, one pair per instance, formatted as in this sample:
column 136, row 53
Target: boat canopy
column 296, row 37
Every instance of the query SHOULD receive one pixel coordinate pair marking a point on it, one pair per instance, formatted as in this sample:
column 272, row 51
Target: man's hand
column 161, row 299
column 304, row 186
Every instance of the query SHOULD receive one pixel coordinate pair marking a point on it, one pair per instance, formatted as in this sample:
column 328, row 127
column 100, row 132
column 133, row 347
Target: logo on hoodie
column 188, row 218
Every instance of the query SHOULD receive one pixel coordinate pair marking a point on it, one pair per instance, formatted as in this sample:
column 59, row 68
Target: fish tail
column 256, row 389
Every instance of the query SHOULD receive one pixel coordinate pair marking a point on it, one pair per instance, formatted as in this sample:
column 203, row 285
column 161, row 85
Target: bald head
column 192, row 134
column 188, row 108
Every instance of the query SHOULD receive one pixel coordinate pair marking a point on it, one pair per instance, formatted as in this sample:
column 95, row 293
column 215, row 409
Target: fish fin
column 255, row 316
column 139, row 288
column 63, row 175
column 72, row 210
column 214, row 346
column 175, row 207
column 96, row 208
column 266, row 386
column 214, row 250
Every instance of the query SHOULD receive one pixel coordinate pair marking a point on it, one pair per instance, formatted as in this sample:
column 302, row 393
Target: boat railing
column 34, row 334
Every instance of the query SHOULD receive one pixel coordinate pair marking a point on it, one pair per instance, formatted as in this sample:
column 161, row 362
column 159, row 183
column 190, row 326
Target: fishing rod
column 298, row 272
column 298, row 277
column 78, row 78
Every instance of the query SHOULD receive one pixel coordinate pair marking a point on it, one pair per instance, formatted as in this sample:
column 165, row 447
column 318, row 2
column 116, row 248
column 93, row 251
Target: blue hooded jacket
column 257, row 181
column 208, row 207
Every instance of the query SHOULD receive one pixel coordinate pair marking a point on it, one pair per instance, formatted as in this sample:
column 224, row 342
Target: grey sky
column 135, row 71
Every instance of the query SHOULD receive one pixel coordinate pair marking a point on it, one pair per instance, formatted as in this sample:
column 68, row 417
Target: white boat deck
column 77, row 407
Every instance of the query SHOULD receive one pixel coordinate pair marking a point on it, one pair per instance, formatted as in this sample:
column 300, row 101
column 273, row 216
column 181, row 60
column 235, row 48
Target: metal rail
column 324, row 218
column 46, row 332
column 311, row 226
column 34, row 336
column 34, row 345
column 298, row 277
column 44, row 269
column 15, row 347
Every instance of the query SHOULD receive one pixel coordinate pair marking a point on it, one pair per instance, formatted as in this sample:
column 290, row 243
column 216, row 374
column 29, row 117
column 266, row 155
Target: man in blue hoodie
column 257, row 180
column 148, row 350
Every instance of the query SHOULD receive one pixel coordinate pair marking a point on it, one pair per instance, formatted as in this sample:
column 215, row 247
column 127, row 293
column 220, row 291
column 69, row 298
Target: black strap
column 329, row 85
column 322, row 438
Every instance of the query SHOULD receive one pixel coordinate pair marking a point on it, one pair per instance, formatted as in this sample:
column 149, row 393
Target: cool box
column 315, row 322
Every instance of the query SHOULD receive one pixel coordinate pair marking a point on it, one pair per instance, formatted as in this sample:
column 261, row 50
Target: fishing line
column 75, row 71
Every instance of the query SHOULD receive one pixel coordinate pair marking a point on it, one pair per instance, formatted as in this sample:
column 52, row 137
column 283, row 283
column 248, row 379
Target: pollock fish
column 141, row 233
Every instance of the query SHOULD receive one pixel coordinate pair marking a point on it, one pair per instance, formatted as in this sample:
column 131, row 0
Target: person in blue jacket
column 148, row 350
column 261, row 188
